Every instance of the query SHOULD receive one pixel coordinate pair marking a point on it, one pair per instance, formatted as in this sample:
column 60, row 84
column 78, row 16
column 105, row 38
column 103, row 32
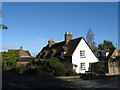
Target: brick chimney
column 51, row 42
column 68, row 37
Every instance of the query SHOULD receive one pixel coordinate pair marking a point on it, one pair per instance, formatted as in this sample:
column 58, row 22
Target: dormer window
column 82, row 53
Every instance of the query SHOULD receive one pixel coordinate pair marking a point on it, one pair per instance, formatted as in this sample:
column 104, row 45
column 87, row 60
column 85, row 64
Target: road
column 109, row 82
column 14, row 81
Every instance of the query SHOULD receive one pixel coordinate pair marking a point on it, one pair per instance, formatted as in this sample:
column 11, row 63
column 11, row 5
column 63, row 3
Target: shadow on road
column 12, row 80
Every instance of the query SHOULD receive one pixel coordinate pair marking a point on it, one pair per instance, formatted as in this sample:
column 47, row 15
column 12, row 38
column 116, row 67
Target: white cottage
column 83, row 57
column 76, row 51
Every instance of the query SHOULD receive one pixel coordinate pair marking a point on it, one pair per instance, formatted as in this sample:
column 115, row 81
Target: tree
column 9, row 58
column 106, row 45
column 90, row 38
column 2, row 25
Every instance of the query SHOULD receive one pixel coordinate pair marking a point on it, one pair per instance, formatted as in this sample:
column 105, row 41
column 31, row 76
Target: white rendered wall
column 90, row 57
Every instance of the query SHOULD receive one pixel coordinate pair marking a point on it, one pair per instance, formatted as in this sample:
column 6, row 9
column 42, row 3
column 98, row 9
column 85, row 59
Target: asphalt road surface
column 14, row 81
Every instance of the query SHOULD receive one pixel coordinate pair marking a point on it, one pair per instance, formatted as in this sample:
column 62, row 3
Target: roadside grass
column 68, row 77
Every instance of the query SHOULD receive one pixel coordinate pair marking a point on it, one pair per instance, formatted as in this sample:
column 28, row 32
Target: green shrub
column 57, row 68
column 31, row 70
column 9, row 58
column 88, row 76
column 20, row 68
column 99, row 68
column 44, row 70
column 45, row 67
column 69, row 69
column 9, row 68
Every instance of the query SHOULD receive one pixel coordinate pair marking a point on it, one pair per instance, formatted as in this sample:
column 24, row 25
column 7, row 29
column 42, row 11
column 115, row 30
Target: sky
column 32, row 24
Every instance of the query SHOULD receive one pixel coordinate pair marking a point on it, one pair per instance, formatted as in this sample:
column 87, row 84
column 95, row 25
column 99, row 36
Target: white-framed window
column 82, row 53
column 82, row 66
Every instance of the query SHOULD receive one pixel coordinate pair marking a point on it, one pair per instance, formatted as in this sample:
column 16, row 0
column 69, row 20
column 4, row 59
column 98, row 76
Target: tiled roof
column 116, row 53
column 72, row 44
column 23, row 53
column 56, row 48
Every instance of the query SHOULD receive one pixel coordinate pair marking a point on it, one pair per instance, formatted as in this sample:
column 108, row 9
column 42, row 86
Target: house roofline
column 91, row 50
column 77, row 45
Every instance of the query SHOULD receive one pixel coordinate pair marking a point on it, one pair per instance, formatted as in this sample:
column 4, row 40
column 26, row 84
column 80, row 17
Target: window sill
column 83, row 69
column 82, row 57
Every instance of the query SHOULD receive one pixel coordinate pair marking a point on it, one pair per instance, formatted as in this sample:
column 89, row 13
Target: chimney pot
column 51, row 42
column 68, row 37
column 66, row 32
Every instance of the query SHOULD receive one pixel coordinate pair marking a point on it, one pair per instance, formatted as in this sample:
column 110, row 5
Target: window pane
column 82, row 53
column 82, row 66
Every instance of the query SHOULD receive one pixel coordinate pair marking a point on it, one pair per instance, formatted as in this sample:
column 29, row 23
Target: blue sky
column 31, row 25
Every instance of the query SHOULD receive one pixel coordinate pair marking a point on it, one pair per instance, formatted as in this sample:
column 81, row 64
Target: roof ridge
column 59, row 46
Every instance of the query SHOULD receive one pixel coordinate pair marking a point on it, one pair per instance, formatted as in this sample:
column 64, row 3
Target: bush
column 69, row 69
column 9, row 58
column 45, row 67
column 20, row 68
column 99, row 68
column 57, row 68
column 8, row 68
column 88, row 76
column 42, row 70
column 100, row 72
column 31, row 70
column 53, row 66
